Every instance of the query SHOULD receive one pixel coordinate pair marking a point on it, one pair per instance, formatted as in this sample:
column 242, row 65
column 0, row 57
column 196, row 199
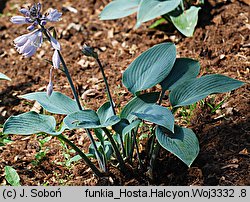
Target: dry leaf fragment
column 36, row 107
column 90, row 92
column 230, row 166
column 244, row 152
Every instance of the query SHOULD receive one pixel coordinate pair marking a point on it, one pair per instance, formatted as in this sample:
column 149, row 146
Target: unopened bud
column 31, row 27
column 50, row 85
column 43, row 22
column 49, row 88
column 24, row 11
column 89, row 51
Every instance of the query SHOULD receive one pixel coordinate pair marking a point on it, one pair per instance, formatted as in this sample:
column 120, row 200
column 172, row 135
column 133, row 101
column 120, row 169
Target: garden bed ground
column 221, row 43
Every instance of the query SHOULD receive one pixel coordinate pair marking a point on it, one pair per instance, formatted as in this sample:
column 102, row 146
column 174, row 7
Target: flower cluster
column 28, row 44
column 34, row 17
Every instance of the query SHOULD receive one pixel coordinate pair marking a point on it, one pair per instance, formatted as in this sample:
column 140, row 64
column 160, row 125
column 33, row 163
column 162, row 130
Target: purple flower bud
column 50, row 88
column 56, row 60
column 25, row 12
column 31, row 27
column 89, row 51
column 54, row 15
column 35, row 11
column 39, row 6
column 43, row 22
column 50, row 85
column 19, row 20
column 55, row 44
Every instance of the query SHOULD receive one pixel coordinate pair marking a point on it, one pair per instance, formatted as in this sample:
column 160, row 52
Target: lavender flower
column 27, row 44
column 33, row 16
column 54, row 16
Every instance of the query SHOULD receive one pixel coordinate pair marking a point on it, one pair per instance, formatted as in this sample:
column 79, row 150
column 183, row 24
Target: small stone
column 222, row 56
column 114, row 43
column 75, row 26
column 111, row 33
column 133, row 49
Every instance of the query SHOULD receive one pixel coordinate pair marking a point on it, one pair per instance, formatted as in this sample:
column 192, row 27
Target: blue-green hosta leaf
column 108, row 149
column 150, row 9
column 57, row 103
column 88, row 119
column 183, row 70
column 159, row 115
column 118, row 127
column 186, row 21
column 138, row 104
column 11, row 176
column 150, row 68
column 183, row 143
column 31, row 123
column 105, row 112
column 119, row 9
column 4, row 77
column 130, row 127
column 99, row 133
column 196, row 89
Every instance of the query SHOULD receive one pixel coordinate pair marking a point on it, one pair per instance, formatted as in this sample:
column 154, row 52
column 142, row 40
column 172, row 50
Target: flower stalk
column 67, row 74
column 117, row 152
column 88, row 51
column 84, row 157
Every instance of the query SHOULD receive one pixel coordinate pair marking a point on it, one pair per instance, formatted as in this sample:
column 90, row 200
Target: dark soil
column 221, row 44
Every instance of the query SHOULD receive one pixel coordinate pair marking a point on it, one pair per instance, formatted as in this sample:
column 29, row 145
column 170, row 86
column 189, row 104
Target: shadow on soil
column 218, row 163
column 2, row 5
column 9, row 100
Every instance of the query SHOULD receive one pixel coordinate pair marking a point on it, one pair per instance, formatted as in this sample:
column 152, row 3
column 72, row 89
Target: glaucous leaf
column 183, row 70
column 118, row 127
column 138, row 104
column 105, row 112
column 183, row 143
column 88, row 119
column 106, row 148
column 57, row 103
column 11, row 176
column 82, row 119
column 119, row 9
column 130, row 127
column 196, row 89
column 186, row 21
column 150, row 68
column 4, row 77
column 99, row 134
column 157, row 114
column 150, row 9
column 31, row 123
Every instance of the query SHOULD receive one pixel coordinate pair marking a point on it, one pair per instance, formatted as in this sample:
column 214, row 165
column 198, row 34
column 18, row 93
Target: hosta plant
column 183, row 14
column 114, row 137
